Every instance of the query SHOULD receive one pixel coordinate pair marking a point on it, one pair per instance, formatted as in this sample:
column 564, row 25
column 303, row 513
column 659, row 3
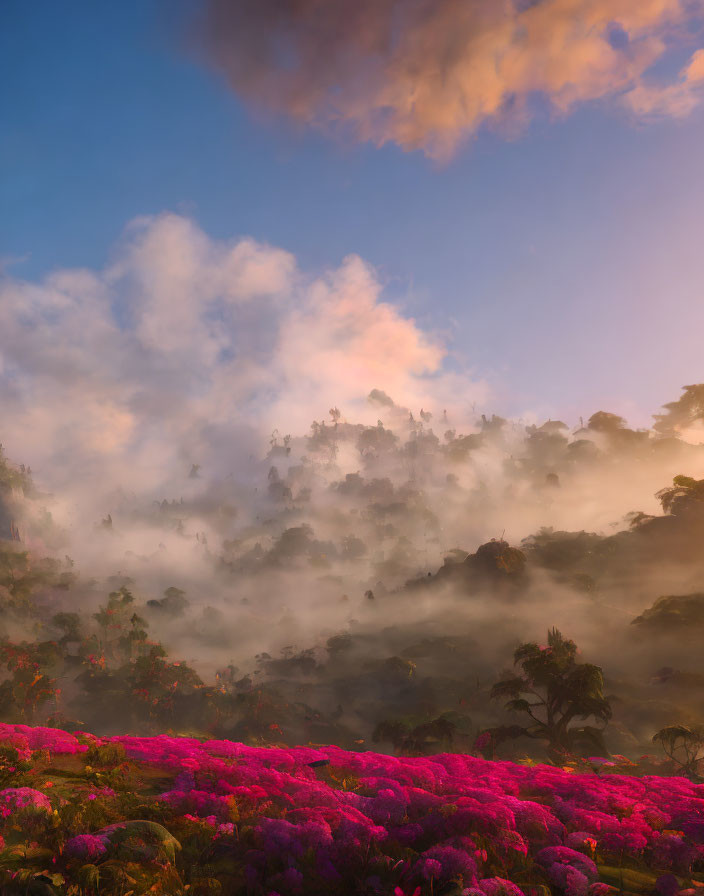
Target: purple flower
column 14, row 799
column 571, row 881
column 554, row 856
column 452, row 862
column 497, row 886
column 430, row 868
column 85, row 847
column 441, row 810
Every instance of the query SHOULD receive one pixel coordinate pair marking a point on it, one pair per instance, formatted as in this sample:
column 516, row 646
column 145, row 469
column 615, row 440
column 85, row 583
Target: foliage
column 14, row 478
column 29, row 683
column 687, row 410
column 603, row 421
column 498, row 558
column 554, row 690
column 216, row 817
column 684, row 612
column 684, row 745
column 560, row 550
column 685, row 494
column 416, row 740
column 22, row 575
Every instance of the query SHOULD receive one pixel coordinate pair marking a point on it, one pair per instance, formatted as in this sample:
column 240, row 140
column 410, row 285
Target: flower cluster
column 13, row 799
column 325, row 820
column 27, row 739
column 86, row 848
column 447, row 809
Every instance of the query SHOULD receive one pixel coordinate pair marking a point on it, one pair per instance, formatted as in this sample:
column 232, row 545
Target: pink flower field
column 81, row 814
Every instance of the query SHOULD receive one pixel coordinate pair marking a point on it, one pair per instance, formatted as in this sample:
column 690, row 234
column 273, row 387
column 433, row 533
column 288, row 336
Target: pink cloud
column 123, row 374
column 675, row 100
column 427, row 74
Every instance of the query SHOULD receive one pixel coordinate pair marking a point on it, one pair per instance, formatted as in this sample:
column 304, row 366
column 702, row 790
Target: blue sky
column 564, row 264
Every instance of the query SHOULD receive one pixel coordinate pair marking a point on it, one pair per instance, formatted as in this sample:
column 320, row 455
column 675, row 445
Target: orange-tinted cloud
column 427, row 73
column 676, row 100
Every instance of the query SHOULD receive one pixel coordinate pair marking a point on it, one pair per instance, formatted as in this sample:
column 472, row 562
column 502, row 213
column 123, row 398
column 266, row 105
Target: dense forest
column 517, row 591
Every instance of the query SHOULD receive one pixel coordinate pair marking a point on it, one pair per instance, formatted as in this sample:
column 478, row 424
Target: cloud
column 427, row 73
column 187, row 350
column 675, row 100
column 343, row 335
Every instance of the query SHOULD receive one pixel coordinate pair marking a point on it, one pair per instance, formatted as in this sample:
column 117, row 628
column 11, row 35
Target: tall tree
column 686, row 411
column 555, row 691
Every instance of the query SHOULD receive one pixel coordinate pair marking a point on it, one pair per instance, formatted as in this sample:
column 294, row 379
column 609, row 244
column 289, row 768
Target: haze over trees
column 362, row 587
column 368, row 586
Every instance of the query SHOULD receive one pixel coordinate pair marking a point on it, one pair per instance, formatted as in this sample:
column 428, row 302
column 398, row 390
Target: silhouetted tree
column 685, row 747
column 554, row 691
column 687, row 410
column 603, row 421
column 683, row 495
column 416, row 740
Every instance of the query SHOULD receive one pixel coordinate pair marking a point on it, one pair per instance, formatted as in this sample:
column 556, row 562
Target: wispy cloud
column 676, row 100
column 426, row 74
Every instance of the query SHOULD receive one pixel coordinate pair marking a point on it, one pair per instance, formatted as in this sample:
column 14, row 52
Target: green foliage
column 105, row 755
column 374, row 441
column 561, row 550
column 22, row 576
column 141, row 840
column 603, row 421
column 104, row 672
column 682, row 613
column 554, row 691
column 497, row 558
column 417, row 740
column 173, row 603
column 69, row 625
column 683, row 496
column 684, row 745
column 13, row 478
column 12, row 768
column 29, row 684
column 628, row 880
column 687, row 410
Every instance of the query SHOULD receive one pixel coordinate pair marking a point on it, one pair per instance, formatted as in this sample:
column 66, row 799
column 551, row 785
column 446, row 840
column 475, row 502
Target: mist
column 271, row 463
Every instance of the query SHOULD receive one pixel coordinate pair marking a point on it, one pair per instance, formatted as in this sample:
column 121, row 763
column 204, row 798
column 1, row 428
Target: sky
column 524, row 232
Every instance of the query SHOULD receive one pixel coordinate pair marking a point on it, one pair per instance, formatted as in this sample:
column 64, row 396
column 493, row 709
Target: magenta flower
column 16, row 798
column 498, row 886
column 568, row 869
column 86, row 848
column 599, row 889
column 416, row 820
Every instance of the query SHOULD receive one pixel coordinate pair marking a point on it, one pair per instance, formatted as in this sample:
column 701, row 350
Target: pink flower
column 440, row 810
column 86, row 847
column 498, row 886
column 15, row 798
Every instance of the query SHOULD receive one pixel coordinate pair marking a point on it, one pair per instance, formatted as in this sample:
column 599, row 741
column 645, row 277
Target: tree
column 374, row 441
column 686, row 411
column 603, row 421
column 418, row 740
column 29, row 684
column 685, row 747
column 122, row 631
column 685, row 494
column 554, row 691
